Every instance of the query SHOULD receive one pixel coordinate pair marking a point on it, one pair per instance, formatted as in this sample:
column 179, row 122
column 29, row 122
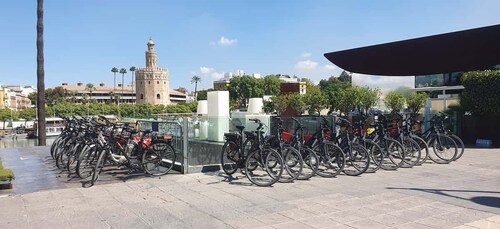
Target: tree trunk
column 114, row 85
column 195, row 91
column 123, row 76
column 40, row 75
column 133, row 89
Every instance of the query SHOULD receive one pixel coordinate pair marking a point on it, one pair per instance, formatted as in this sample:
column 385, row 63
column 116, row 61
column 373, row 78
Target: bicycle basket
column 232, row 137
column 287, row 137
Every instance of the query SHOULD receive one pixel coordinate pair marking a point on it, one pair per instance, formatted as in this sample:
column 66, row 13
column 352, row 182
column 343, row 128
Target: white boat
column 53, row 127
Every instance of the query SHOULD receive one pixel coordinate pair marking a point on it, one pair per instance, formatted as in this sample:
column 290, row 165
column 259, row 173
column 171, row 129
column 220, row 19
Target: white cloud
column 306, row 55
column 306, row 65
column 330, row 67
column 223, row 41
column 385, row 83
column 206, row 70
column 217, row 75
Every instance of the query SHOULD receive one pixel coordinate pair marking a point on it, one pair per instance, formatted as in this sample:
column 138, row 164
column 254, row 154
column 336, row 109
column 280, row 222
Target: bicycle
column 263, row 166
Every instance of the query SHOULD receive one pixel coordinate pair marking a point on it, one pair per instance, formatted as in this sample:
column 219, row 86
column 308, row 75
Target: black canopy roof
column 450, row 52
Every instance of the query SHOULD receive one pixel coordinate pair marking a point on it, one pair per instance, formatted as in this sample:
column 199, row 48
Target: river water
column 21, row 142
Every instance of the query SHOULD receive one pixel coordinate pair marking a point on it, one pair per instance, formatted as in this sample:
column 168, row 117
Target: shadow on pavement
column 490, row 201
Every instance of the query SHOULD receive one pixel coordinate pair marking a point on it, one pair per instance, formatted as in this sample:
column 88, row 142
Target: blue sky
column 85, row 39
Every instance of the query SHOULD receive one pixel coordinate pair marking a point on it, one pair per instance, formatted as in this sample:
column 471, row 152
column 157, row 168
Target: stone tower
column 151, row 82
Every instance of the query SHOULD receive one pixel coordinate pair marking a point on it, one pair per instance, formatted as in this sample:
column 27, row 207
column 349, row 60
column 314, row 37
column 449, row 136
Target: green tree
column 40, row 75
column 346, row 100
column 123, row 71
column 367, row 97
column 5, row 115
column 315, row 100
column 296, row 102
column 416, row 101
column 114, row 70
column 195, row 80
column 27, row 114
column 202, row 95
column 32, row 97
column 90, row 87
column 268, row 106
column 345, row 77
column 395, row 101
column 132, row 70
column 334, row 89
column 280, row 103
column 271, row 85
column 481, row 95
column 242, row 88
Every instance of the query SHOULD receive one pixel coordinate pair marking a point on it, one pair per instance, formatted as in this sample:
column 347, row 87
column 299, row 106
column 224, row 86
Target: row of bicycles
column 87, row 145
column 351, row 147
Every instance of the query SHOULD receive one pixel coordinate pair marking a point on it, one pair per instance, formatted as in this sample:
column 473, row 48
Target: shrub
column 395, row 101
column 482, row 92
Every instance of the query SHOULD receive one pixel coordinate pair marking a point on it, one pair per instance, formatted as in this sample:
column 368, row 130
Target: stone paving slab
column 461, row 194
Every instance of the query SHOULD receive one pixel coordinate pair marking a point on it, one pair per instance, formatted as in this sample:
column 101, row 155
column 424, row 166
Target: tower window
column 157, row 82
column 149, row 82
column 142, row 96
column 164, row 82
column 141, row 82
column 157, row 96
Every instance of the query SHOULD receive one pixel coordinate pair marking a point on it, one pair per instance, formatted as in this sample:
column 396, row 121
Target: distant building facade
column 105, row 94
column 15, row 97
column 152, row 82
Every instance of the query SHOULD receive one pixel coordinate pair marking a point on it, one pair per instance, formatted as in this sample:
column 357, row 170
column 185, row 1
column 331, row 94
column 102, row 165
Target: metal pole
column 445, row 100
column 185, row 145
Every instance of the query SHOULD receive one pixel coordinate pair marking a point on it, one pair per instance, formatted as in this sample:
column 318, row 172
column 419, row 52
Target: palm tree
column 40, row 75
column 132, row 69
column 90, row 87
column 114, row 70
column 123, row 71
column 195, row 80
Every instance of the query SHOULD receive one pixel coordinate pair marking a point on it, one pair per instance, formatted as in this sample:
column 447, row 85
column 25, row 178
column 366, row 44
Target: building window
column 142, row 96
column 157, row 82
column 164, row 82
column 149, row 82
column 141, row 82
column 157, row 96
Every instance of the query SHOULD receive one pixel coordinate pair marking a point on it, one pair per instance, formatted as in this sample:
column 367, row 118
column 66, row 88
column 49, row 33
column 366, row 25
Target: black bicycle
column 263, row 166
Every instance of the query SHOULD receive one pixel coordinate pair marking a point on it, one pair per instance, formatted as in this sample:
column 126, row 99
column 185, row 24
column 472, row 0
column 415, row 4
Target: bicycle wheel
column 376, row 155
column 84, row 165
column 230, row 159
column 73, row 156
column 54, row 146
column 293, row 164
column 311, row 163
column 412, row 152
column 331, row 159
column 394, row 152
column 263, row 175
column 96, row 170
column 357, row 160
column 460, row 145
column 444, row 148
column 62, row 156
column 424, row 149
column 159, row 158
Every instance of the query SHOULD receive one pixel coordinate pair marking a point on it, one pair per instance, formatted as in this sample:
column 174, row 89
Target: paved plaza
column 464, row 194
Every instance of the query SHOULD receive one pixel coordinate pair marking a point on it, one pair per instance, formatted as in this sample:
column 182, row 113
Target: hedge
column 481, row 95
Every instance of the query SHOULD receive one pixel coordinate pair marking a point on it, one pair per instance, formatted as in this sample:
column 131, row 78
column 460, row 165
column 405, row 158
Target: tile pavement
column 463, row 194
